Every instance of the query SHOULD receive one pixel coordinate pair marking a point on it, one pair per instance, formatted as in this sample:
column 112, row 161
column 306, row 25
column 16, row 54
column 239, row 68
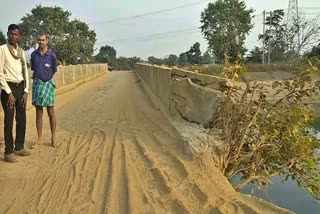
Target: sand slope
column 117, row 154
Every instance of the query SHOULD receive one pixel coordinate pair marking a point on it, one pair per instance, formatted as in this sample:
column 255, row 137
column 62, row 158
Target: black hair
column 43, row 33
column 13, row 27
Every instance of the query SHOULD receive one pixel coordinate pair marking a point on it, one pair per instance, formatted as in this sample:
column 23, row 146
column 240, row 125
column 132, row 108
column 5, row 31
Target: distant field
column 273, row 71
column 275, row 67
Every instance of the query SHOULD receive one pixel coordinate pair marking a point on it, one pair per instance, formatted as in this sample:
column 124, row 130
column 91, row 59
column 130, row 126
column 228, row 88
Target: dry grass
column 215, row 70
column 275, row 67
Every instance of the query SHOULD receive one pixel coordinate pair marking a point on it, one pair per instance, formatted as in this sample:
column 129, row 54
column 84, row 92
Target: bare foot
column 53, row 142
column 36, row 144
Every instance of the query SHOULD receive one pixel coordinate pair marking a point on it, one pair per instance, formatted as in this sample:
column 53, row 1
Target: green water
column 288, row 195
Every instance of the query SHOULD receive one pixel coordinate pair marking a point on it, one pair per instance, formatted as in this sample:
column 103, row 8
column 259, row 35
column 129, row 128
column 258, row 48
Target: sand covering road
column 117, row 153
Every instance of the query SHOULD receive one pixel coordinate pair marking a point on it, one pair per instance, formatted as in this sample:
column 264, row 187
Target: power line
column 169, row 34
column 309, row 8
column 154, row 36
column 150, row 13
column 162, row 35
column 306, row 13
column 172, row 9
column 301, row 8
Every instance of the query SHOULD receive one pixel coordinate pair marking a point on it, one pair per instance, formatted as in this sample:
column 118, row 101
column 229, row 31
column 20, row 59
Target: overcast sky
column 161, row 34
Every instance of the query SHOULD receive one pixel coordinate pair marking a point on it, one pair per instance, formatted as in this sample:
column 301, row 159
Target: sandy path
column 117, row 154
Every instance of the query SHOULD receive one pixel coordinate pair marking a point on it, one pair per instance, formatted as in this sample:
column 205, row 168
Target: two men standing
column 14, row 82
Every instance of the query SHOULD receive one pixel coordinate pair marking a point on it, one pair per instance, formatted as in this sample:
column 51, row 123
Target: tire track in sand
column 64, row 186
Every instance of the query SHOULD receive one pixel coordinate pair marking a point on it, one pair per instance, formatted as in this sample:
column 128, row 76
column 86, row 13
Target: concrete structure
column 176, row 91
column 194, row 96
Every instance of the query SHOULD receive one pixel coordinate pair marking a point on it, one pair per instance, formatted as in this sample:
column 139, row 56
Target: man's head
column 13, row 34
column 43, row 40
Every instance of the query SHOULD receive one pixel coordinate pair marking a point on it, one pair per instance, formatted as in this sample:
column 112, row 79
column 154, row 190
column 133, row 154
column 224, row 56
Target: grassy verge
column 215, row 70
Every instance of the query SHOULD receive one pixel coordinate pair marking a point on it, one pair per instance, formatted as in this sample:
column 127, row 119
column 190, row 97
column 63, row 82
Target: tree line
column 191, row 57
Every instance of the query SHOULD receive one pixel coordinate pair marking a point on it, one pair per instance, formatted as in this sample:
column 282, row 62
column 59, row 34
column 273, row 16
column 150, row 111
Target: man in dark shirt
column 44, row 65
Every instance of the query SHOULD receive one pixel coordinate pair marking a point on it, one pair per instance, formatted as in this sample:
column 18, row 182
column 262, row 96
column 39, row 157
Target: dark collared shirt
column 44, row 66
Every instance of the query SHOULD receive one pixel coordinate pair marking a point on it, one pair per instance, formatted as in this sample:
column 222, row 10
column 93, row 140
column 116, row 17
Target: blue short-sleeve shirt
column 45, row 66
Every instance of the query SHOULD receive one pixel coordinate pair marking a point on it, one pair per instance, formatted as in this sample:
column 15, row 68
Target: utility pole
column 269, row 51
column 264, row 31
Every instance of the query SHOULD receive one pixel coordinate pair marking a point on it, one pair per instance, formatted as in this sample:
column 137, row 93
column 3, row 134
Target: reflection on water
column 288, row 195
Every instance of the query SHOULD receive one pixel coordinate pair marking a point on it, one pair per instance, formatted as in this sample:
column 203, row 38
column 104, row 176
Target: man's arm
column 3, row 83
column 32, row 61
column 54, row 62
column 26, row 89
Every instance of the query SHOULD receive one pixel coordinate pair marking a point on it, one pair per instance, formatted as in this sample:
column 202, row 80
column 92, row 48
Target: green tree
column 124, row 63
column 155, row 60
column 77, row 45
column 107, row 54
column 255, row 55
column 183, row 60
column 172, row 60
column 225, row 25
column 133, row 61
column 194, row 54
column 206, row 58
column 2, row 38
column 73, row 41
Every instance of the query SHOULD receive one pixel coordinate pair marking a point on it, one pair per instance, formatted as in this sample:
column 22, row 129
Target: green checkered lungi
column 43, row 93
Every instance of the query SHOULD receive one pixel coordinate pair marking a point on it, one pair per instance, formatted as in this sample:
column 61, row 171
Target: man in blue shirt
column 44, row 65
